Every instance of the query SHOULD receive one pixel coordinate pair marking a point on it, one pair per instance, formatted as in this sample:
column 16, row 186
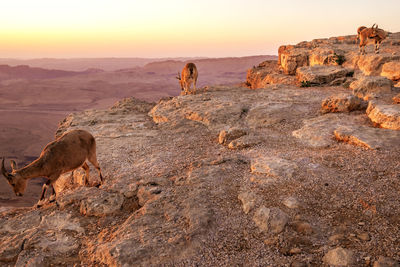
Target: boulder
column 385, row 115
column 248, row 200
column 267, row 73
column 291, row 58
column 343, row 102
column 270, row 220
column 318, row 75
column 391, row 70
column 326, row 56
column 368, row 87
column 339, row 257
column 291, row 203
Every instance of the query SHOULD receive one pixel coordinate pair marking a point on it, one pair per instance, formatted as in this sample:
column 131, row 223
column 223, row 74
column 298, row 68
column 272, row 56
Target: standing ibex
column 189, row 75
column 359, row 31
column 67, row 153
column 371, row 33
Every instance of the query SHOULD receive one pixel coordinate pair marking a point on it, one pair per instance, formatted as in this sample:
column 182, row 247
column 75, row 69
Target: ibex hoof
column 39, row 204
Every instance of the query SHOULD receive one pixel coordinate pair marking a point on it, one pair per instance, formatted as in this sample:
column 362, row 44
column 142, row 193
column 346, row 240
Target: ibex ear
column 14, row 165
column 179, row 76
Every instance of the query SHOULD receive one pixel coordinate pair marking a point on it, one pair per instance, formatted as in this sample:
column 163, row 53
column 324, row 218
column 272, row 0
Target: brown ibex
column 67, row 153
column 189, row 76
column 359, row 31
column 371, row 33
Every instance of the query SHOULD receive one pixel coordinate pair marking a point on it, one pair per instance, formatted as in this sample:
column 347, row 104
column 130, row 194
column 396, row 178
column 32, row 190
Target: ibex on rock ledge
column 189, row 75
column 67, row 153
column 375, row 33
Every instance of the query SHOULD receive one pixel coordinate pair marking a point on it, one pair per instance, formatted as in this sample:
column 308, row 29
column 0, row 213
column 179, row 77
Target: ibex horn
column 3, row 170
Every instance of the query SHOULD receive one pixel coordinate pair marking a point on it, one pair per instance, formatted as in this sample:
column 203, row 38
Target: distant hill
column 82, row 64
column 25, row 72
column 209, row 65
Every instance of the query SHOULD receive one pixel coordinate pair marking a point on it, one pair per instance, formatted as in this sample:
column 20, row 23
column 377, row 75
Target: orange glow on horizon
column 174, row 28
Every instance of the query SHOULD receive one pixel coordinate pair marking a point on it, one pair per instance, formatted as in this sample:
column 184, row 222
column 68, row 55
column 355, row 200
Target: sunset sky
column 175, row 28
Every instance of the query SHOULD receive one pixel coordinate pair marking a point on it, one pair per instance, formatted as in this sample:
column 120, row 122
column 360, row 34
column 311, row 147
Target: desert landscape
column 34, row 99
column 295, row 165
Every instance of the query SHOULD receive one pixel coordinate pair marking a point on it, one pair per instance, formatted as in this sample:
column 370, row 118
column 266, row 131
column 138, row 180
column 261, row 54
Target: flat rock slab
column 368, row 87
column 318, row 74
column 386, row 116
column 318, row 132
column 272, row 166
column 368, row 137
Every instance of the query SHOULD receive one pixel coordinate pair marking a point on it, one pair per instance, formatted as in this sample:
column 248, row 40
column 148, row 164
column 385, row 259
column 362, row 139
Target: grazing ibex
column 189, row 75
column 371, row 33
column 67, row 153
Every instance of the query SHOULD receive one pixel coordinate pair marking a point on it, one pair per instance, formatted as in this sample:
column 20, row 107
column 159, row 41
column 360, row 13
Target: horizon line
column 113, row 57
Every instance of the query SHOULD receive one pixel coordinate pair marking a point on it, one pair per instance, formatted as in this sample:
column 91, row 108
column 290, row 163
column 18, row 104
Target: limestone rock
column 102, row 203
column 322, row 56
column 317, row 74
column 391, row 70
column 342, row 103
column 371, row 64
column 386, row 262
column 291, row 203
column 368, row 137
column 267, row 73
column 227, row 136
column 245, row 141
column 248, row 200
column 273, row 166
column 386, row 116
column 396, row 99
column 21, row 223
column 270, row 220
column 371, row 86
column 291, row 58
column 339, row 257
column 61, row 221
column 318, row 132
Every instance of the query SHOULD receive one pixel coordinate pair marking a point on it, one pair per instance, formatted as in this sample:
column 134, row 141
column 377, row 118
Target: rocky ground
column 279, row 176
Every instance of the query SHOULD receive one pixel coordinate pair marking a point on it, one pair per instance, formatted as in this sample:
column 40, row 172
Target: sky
column 179, row 28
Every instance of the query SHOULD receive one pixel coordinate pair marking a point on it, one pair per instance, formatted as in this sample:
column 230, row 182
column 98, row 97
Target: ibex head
column 374, row 31
column 17, row 182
